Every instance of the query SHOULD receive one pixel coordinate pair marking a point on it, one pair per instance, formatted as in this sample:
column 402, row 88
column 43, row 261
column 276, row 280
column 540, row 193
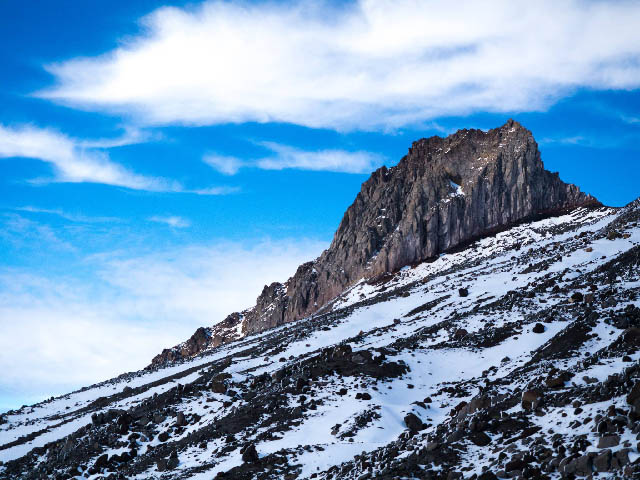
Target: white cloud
column 172, row 220
column 71, row 162
column 329, row 160
column 60, row 333
column 374, row 64
column 81, row 161
column 224, row 164
column 285, row 156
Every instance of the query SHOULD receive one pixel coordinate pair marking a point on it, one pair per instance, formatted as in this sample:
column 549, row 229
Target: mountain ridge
column 445, row 193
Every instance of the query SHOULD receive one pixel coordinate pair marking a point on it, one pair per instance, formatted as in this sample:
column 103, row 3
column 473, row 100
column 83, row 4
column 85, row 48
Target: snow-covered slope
column 517, row 354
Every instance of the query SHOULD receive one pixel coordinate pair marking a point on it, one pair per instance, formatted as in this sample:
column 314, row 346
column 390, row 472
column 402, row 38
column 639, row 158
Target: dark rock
column 460, row 334
column 181, row 421
column 633, row 398
column 531, row 399
column 413, row 422
column 602, row 462
column 172, row 461
column 576, row 297
column 514, row 465
column 463, row 292
column 250, row 454
column 583, row 465
column 218, row 387
column 101, row 462
column 608, row 441
column 538, row 328
column 480, row 438
column 161, row 464
column 487, row 476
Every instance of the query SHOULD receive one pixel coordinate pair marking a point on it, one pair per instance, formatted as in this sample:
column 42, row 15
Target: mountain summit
column 443, row 194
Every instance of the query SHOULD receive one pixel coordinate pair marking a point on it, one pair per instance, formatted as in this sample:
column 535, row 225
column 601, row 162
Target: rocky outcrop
column 444, row 193
column 203, row 338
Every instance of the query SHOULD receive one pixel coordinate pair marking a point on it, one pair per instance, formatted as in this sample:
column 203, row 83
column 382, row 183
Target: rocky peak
column 444, row 193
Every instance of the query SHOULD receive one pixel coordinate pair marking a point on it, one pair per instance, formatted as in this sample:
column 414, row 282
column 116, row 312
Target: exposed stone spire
column 444, row 193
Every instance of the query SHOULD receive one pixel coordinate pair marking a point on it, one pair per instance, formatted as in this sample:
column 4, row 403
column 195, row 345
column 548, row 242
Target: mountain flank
column 445, row 193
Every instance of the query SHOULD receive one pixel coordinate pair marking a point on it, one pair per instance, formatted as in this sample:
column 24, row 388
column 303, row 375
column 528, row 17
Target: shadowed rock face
column 445, row 192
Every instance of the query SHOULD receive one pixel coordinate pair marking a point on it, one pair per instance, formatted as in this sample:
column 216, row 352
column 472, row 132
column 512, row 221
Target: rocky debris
column 443, row 194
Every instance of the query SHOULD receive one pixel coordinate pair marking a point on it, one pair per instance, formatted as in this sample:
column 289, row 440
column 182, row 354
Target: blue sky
column 161, row 161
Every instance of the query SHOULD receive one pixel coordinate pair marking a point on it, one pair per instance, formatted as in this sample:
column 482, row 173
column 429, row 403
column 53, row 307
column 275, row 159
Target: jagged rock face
column 203, row 338
column 443, row 194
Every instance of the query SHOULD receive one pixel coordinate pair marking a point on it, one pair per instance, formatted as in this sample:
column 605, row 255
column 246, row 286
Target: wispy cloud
column 330, row 160
column 285, row 156
column 224, row 164
column 23, row 232
column 79, row 161
column 171, row 220
column 72, row 217
column 570, row 140
column 630, row 119
column 366, row 65
column 70, row 161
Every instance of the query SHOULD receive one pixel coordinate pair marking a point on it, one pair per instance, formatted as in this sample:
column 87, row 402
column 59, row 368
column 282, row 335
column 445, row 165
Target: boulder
column 172, row 461
column 633, row 398
column 250, row 454
column 538, row 328
column 101, row 462
column 218, row 387
column 413, row 422
column 460, row 334
column 602, row 461
column 608, row 441
column 531, row 399
column 576, row 297
column 480, row 439
column 181, row 421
